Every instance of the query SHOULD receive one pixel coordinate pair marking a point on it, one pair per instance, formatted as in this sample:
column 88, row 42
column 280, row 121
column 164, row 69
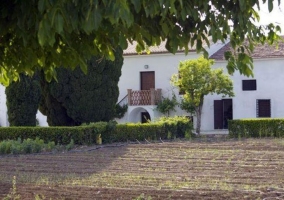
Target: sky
column 276, row 16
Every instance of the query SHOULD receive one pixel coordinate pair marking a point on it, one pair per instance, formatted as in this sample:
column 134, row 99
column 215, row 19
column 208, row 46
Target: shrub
column 176, row 126
column 5, row 147
column 165, row 128
column 50, row 146
column 120, row 110
column 29, row 146
column 261, row 127
column 167, row 104
column 70, row 145
column 133, row 132
column 23, row 97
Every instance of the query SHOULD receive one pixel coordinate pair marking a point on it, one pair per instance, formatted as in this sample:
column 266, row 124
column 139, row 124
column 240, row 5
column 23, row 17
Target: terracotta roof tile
column 260, row 51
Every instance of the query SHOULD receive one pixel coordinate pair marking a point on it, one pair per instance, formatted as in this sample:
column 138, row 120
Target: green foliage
column 133, row 132
column 5, row 147
column 120, row 110
column 87, row 134
column 167, row 104
column 256, row 128
column 48, row 34
column 176, row 126
column 23, row 98
column 24, row 147
column 78, row 98
column 58, row 135
column 70, row 145
column 187, row 106
column 155, row 130
column 197, row 79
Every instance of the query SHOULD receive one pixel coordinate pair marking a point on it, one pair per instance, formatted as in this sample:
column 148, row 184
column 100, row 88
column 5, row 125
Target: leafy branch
column 166, row 105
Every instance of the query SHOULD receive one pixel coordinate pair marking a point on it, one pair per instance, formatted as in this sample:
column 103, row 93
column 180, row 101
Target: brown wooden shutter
column 263, row 108
column 218, row 114
column 147, row 80
column 249, row 85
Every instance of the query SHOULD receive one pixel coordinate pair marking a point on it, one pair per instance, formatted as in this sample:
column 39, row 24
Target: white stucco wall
column 3, row 107
column 164, row 65
column 42, row 119
column 269, row 76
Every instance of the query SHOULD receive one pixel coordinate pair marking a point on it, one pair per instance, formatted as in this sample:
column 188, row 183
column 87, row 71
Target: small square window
column 249, row 85
column 263, row 108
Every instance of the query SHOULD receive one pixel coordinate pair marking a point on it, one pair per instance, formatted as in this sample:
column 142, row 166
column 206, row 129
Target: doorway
column 147, row 80
column 145, row 117
column 223, row 111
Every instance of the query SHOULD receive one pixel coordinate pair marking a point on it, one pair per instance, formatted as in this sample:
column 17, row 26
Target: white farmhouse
column 145, row 78
column 258, row 96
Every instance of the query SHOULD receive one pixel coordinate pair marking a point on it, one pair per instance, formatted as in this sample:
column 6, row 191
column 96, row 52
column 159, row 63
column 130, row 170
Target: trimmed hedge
column 166, row 128
column 262, row 127
column 60, row 135
column 133, row 132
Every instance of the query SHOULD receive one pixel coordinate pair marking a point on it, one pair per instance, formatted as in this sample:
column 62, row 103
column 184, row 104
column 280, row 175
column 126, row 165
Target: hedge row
column 60, row 135
column 256, row 128
column 166, row 128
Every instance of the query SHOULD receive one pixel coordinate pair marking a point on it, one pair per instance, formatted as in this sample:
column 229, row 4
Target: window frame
column 249, row 85
column 261, row 111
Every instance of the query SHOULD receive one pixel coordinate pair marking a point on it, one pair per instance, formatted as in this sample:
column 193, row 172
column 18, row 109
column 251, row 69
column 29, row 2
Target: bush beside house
column 262, row 127
column 166, row 128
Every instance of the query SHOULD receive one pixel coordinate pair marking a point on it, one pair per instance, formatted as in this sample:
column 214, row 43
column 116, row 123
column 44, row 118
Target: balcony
column 144, row 97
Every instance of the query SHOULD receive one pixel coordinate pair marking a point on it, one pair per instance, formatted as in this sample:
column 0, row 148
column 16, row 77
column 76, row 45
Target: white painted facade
column 268, row 73
column 269, row 76
column 164, row 65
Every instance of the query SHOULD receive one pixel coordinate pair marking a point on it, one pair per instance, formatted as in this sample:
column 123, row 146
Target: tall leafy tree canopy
column 197, row 79
column 23, row 98
column 78, row 98
column 46, row 34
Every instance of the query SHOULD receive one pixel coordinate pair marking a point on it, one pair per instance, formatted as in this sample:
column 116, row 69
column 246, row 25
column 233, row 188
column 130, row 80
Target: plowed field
column 198, row 169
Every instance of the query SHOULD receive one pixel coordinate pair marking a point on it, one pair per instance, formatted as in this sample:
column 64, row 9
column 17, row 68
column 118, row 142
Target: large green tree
column 23, row 98
column 78, row 98
column 46, row 34
column 197, row 79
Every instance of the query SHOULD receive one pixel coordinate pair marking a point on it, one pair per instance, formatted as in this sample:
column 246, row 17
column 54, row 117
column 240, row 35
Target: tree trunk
column 198, row 111
column 198, row 117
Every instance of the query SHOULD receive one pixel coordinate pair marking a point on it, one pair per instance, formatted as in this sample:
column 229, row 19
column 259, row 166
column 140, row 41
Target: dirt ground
column 199, row 169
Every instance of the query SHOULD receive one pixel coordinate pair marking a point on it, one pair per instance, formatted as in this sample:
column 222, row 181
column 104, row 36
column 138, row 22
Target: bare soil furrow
column 198, row 169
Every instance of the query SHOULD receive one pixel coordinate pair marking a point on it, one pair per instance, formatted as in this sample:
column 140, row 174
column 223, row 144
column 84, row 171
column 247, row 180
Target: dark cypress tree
column 23, row 98
column 78, row 98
